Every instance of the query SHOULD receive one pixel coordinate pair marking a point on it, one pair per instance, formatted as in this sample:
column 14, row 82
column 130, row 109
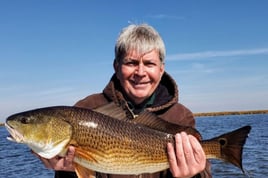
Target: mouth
column 14, row 136
column 136, row 83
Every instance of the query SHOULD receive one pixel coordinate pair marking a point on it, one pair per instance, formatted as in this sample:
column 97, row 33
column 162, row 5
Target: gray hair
column 142, row 38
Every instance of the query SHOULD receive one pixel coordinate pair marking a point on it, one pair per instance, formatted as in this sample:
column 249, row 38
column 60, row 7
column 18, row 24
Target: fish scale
column 106, row 144
column 122, row 142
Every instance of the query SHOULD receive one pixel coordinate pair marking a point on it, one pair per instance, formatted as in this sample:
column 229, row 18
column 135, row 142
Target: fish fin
column 146, row 118
column 80, row 153
column 112, row 110
column 83, row 172
column 231, row 145
column 152, row 121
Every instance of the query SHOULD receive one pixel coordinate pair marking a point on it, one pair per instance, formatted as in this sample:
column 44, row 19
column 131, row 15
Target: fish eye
column 24, row 120
column 223, row 141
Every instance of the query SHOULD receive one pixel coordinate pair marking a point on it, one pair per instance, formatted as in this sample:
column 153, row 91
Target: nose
column 140, row 69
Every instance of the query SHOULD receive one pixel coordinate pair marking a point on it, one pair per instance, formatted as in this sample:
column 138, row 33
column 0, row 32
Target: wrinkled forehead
column 133, row 54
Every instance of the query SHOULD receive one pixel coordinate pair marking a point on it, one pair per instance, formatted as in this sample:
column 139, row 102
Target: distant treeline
column 231, row 113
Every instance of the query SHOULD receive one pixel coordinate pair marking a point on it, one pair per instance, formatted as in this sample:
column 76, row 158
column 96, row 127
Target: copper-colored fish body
column 109, row 145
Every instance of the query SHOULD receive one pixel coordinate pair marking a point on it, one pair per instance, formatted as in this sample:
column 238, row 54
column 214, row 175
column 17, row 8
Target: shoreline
column 230, row 113
column 222, row 113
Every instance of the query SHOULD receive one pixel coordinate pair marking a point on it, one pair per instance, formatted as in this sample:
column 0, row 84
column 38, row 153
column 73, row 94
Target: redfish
column 106, row 143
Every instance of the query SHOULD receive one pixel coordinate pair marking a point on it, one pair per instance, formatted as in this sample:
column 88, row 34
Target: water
column 255, row 153
column 17, row 161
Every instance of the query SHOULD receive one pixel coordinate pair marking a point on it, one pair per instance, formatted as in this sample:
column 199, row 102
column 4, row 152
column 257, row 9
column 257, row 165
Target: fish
column 106, row 141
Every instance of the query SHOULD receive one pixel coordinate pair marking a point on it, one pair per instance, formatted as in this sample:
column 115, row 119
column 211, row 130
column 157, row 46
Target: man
column 141, row 81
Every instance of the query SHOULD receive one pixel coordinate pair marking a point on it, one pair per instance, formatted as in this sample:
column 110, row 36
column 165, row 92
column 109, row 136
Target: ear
column 162, row 69
column 115, row 65
column 116, row 68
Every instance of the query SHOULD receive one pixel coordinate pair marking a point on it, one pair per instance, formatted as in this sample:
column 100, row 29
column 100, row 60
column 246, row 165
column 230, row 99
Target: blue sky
column 57, row 52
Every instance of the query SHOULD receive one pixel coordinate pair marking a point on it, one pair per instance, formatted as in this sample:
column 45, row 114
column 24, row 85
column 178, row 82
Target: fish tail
column 229, row 146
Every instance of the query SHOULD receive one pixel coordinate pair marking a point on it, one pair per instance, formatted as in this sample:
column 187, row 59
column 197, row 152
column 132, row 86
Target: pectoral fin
column 83, row 172
column 83, row 156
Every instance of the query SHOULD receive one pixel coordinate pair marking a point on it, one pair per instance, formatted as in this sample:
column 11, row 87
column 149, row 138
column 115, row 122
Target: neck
column 139, row 107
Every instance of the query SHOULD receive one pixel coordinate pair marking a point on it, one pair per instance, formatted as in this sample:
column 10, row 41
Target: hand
column 60, row 163
column 188, row 157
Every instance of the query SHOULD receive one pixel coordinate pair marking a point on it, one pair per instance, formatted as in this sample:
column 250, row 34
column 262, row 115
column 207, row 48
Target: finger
column 46, row 162
column 68, row 162
column 180, row 169
column 198, row 152
column 179, row 150
column 57, row 163
column 187, row 162
column 171, row 155
column 173, row 165
column 187, row 148
column 43, row 160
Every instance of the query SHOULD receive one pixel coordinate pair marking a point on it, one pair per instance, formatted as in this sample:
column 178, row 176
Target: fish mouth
column 14, row 136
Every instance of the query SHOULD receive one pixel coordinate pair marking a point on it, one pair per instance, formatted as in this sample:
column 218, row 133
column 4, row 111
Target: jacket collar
column 165, row 95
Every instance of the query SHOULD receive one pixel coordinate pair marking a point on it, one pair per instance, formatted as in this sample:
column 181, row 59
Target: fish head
column 44, row 131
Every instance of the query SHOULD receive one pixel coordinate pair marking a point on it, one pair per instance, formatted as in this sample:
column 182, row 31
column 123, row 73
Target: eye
column 24, row 120
column 150, row 64
column 131, row 62
column 223, row 141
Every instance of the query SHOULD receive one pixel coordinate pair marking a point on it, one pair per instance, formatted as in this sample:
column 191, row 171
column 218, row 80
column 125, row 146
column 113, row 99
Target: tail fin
column 231, row 145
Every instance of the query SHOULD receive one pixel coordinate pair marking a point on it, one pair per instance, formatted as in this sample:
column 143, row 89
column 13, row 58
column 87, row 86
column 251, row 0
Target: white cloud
column 210, row 54
column 165, row 16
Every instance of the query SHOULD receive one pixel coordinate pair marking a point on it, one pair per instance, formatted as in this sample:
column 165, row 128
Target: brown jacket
column 165, row 105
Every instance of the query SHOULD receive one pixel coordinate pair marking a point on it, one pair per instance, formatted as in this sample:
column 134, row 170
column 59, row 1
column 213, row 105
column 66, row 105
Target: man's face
column 140, row 75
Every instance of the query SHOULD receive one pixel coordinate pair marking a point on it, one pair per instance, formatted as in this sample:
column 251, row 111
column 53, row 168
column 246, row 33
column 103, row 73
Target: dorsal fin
column 152, row 121
column 112, row 110
column 147, row 119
